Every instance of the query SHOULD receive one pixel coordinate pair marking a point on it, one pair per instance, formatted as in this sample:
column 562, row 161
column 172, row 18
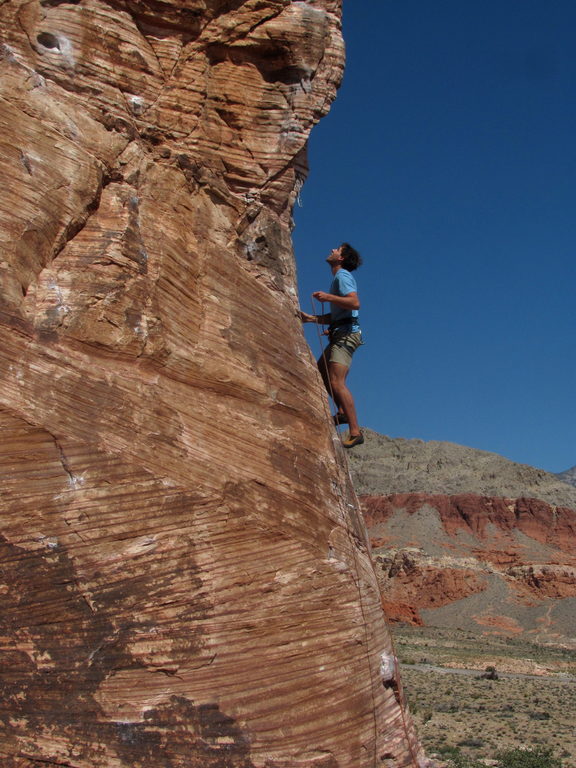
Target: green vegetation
column 539, row 757
column 456, row 759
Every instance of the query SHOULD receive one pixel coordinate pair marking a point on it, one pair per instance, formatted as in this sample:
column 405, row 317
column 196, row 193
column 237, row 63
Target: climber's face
column 335, row 256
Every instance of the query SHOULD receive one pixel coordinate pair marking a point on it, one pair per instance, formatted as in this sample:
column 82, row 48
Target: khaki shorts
column 342, row 346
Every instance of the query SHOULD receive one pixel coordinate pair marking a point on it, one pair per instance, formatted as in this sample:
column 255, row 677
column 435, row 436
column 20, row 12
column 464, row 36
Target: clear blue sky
column 449, row 161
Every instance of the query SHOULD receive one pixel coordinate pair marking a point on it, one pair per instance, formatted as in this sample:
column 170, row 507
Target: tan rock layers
column 184, row 578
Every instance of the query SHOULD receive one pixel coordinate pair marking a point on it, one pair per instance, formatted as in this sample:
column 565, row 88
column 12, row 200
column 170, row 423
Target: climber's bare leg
column 334, row 378
column 342, row 395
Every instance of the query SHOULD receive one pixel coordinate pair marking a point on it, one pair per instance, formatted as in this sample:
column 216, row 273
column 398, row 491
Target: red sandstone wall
column 185, row 579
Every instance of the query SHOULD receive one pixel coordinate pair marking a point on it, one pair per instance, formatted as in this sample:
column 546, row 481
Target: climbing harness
column 343, row 322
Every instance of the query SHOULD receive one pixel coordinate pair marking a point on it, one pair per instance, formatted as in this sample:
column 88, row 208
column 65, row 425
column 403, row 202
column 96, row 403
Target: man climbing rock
column 344, row 334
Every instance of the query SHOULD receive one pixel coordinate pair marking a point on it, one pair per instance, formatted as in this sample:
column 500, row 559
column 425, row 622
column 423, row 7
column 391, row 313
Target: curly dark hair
column 352, row 259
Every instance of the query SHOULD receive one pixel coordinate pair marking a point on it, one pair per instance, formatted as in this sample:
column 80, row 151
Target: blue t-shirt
column 343, row 283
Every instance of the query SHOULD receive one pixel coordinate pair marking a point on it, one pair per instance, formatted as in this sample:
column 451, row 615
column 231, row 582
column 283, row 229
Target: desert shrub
column 539, row 715
column 538, row 757
column 489, row 674
column 463, row 761
column 447, row 751
column 476, row 743
column 456, row 759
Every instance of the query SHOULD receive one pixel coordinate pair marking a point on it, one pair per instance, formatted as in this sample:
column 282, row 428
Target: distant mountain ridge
column 569, row 476
column 385, row 465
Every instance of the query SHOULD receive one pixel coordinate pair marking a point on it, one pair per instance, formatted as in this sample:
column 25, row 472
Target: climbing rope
column 356, row 578
column 395, row 672
column 401, row 695
column 355, row 572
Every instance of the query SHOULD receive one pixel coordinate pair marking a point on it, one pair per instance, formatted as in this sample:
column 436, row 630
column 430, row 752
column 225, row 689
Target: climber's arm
column 350, row 301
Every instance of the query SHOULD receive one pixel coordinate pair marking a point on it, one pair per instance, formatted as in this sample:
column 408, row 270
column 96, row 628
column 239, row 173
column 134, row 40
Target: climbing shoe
column 340, row 418
column 353, row 440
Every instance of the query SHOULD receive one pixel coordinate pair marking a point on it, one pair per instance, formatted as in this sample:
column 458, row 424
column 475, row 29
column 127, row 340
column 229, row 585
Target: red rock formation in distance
column 514, row 557
column 185, row 580
column 482, row 515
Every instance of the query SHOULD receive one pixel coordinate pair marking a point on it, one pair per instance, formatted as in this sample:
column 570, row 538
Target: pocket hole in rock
column 48, row 40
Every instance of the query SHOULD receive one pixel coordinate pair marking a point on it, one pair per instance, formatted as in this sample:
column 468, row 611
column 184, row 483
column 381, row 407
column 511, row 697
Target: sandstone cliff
column 185, row 579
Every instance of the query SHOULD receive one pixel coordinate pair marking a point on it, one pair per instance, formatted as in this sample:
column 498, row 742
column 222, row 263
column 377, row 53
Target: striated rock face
column 494, row 564
column 184, row 578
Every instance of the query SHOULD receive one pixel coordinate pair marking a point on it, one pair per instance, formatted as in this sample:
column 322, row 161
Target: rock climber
column 344, row 335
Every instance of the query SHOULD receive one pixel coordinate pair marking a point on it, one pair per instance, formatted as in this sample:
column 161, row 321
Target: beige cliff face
column 184, row 578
